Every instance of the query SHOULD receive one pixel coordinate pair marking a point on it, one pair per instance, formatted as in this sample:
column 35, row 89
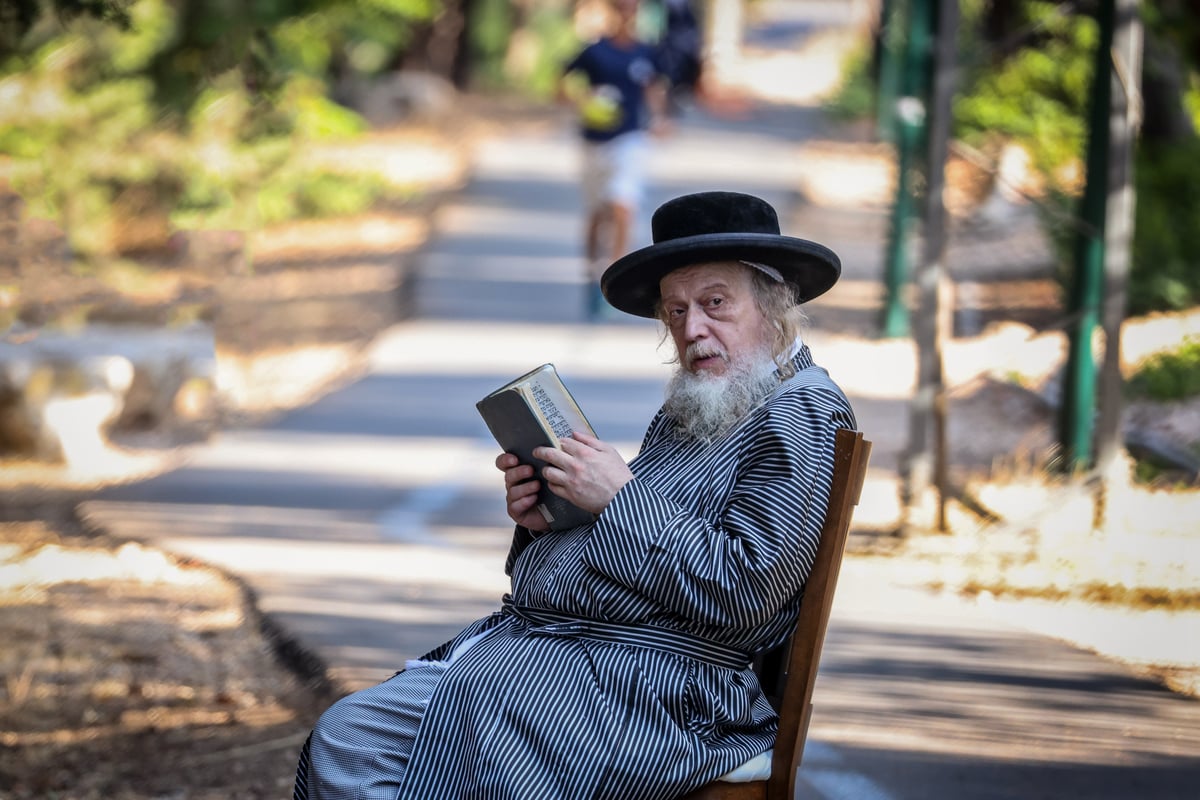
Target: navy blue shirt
column 624, row 73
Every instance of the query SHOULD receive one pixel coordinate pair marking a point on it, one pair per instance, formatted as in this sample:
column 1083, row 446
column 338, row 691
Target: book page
column 550, row 410
column 560, row 411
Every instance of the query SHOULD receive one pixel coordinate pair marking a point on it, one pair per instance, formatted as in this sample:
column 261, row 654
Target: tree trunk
column 445, row 40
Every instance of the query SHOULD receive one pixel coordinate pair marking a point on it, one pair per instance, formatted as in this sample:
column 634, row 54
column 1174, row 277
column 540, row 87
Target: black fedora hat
column 716, row 226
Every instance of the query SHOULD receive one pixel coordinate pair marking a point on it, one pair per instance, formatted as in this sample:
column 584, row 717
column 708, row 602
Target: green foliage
column 231, row 153
column 492, row 27
column 1165, row 274
column 239, row 183
column 362, row 37
column 854, row 97
column 265, row 180
column 1038, row 96
column 1176, row 21
column 400, row 9
column 305, row 44
column 18, row 17
column 82, row 130
column 315, row 116
column 188, row 110
column 304, row 194
column 553, row 42
column 523, row 55
column 1157, row 474
column 1191, row 100
column 1172, row 375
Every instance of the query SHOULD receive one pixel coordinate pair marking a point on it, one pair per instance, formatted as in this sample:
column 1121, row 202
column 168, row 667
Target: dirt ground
column 130, row 675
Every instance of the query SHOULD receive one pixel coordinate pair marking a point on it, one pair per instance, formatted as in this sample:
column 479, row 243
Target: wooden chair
column 787, row 673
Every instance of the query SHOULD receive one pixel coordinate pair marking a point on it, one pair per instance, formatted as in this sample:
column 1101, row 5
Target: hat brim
column 631, row 284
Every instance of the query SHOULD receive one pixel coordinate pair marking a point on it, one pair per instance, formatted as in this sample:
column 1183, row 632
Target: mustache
column 698, row 350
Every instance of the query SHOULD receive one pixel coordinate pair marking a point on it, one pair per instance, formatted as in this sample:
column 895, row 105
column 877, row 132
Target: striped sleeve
column 742, row 568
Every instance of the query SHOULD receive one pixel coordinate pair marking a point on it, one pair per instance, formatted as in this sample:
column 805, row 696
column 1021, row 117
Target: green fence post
column 909, row 116
column 892, row 39
column 1078, row 408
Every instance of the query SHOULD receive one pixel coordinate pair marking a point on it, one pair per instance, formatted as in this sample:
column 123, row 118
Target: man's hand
column 585, row 471
column 520, row 493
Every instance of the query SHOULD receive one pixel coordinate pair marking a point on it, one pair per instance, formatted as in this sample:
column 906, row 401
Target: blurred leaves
column 184, row 109
column 197, row 113
column 1166, row 267
column 17, row 17
column 1032, row 90
column 854, row 97
column 1025, row 75
column 1173, row 375
column 1036, row 97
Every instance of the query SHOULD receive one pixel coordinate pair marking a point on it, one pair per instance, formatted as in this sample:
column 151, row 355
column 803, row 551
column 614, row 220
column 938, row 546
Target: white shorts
column 615, row 171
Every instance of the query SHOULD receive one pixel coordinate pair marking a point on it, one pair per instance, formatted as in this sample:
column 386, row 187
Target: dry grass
column 1127, row 589
column 1044, row 544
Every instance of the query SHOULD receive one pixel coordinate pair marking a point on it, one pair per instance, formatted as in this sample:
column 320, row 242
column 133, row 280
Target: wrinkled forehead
column 698, row 276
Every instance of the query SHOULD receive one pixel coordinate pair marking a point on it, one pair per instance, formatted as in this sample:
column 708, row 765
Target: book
column 536, row 410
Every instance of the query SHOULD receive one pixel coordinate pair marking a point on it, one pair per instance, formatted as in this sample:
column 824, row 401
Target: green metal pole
column 896, row 258
column 891, row 54
column 910, row 134
column 1077, row 412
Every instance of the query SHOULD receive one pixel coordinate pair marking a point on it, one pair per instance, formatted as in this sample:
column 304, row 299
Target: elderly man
column 619, row 665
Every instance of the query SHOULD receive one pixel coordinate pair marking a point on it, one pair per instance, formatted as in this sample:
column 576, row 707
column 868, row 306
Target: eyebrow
column 708, row 287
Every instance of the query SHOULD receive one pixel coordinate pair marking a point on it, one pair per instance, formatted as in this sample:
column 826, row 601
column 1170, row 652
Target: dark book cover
column 520, row 424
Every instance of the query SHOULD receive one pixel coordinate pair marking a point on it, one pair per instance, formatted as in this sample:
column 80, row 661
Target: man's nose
column 695, row 324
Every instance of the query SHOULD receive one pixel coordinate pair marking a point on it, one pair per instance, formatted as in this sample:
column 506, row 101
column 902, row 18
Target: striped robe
column 619, row 664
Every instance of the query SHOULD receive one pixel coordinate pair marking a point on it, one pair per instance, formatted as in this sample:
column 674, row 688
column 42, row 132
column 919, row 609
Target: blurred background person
column 618, row 85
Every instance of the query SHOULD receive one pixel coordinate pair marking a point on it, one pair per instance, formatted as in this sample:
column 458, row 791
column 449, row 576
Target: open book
column 536, row 410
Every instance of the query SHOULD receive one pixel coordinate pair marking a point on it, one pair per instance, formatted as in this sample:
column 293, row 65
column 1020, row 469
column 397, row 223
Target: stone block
column 62, row 395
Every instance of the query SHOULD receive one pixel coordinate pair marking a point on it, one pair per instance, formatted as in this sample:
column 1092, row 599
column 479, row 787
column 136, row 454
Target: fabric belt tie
column 638, row 635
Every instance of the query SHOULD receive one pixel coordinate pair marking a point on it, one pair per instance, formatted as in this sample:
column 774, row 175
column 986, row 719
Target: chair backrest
column 789, row 672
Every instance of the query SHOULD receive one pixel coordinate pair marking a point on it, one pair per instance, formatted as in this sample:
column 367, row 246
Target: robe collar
column 800, row 356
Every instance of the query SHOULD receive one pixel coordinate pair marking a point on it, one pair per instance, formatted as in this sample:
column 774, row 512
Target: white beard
column 706, row 407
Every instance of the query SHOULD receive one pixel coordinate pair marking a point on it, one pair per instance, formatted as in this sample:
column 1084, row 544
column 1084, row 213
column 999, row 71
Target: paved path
column 371, row 525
